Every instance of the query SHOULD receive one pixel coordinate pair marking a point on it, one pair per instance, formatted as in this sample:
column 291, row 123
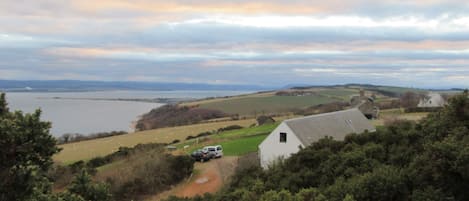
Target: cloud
column 277, row 42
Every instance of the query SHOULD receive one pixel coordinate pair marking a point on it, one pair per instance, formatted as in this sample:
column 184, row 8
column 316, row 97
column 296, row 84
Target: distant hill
column 76, row 85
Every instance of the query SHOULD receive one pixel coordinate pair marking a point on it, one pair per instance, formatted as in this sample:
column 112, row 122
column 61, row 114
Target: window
column 283, row 137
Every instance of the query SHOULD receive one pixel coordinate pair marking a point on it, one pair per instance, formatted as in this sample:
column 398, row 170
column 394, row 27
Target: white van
column 217, row 150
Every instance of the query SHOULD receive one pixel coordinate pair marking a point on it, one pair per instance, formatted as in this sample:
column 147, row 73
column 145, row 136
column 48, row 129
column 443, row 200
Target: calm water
column 92, row 116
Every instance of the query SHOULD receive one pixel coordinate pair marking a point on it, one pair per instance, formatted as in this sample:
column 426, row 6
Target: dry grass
column 397, row 114
column 215, row 100
column 86, row 150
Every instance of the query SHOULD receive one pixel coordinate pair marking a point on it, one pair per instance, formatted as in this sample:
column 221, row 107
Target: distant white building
column 287, row 138
column 432, row 99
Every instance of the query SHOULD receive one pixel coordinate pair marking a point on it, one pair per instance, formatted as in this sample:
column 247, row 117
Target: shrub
column 232, row 127
column 98, row 161
column 261, row 120
column 83, row 187
column 422, row 109
column 174, row 115
column 151, row 174
column 204, row 134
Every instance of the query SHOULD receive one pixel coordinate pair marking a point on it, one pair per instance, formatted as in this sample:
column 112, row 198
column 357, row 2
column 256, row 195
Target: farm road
column 210, row 177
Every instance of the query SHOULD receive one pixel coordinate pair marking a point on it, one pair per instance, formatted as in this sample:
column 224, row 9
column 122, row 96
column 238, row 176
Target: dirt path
column 209, row 178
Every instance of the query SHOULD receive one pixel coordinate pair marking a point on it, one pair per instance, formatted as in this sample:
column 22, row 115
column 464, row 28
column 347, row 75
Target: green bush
column 228, row 128
column 89, row 191
column 149, row 174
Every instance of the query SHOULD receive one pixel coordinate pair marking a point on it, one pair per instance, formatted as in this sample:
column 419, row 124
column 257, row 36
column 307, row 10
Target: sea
column 97, row 111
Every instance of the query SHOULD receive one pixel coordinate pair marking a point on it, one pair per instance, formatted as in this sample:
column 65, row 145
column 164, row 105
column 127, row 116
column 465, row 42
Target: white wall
column 271, row 148
column 435, row 100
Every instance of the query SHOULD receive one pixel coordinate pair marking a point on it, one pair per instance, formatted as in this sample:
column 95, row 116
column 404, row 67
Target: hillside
column 295, row 100
column 173, row 115
column 236, row 143
column 86, row 150
column 405, row 160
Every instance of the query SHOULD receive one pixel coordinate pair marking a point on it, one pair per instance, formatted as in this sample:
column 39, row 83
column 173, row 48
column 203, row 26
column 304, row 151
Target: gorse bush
column 26, row 149
column 149, row 173
column 147, row 170
column 83, row 187
column 228, row 128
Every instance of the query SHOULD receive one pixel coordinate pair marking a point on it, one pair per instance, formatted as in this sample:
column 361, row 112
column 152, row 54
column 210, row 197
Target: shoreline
column 145, row 100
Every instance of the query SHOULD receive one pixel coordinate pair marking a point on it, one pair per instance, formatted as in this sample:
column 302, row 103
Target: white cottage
column 433, row 99
column 287, row 138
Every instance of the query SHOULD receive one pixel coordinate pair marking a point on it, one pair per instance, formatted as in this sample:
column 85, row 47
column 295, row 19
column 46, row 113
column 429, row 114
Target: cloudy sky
column 419, row 43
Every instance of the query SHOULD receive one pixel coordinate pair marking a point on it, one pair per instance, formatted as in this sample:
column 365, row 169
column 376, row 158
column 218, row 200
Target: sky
column 411, row 43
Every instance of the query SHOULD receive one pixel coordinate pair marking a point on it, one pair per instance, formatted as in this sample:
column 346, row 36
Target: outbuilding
column 292, row 134
column 433, row 99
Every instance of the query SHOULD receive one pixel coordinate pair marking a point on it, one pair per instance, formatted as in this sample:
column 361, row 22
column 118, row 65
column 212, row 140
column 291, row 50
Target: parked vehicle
column 202, row 155
column 217, row 150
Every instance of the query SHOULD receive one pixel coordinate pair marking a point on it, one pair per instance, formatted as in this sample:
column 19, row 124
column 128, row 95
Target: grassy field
column 86, row 150
column 400, row 90
column 393, row 114
column 213, row 100
column 243, row 145
column 339, row 93
column 237, row 142
column 267, row 104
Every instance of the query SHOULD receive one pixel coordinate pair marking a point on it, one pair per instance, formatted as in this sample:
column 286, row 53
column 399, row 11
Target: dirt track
column 209, row 178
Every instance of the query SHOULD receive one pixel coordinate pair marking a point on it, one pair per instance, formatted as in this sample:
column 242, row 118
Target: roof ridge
column 319, row 115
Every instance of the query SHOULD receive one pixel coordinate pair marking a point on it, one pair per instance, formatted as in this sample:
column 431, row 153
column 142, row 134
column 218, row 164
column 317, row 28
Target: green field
column 235, row 142
column 242, row 146
column 400, row 90
column 343, row 94
column 267, row 105
column 247, row 131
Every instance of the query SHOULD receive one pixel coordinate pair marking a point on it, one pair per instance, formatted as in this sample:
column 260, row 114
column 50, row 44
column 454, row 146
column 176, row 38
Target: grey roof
column 335, row 124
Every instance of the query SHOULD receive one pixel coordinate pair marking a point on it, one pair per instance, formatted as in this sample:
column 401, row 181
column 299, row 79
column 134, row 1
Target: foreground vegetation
column 27, row 172
column 405, row 160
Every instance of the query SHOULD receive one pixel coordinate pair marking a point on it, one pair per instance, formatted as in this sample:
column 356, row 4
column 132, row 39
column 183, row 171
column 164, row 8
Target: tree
column 26, row 149
column 3, row 104
column 409, row 99
column 83, row 186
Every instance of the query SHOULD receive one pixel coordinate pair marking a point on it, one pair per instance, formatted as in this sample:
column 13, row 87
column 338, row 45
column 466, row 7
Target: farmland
column 339, row 93
column 245, row 105
column 272, row 103
column 267, row 104
column 398, row 114
column 88, row 149
column 242, row 146
column 235, row 142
